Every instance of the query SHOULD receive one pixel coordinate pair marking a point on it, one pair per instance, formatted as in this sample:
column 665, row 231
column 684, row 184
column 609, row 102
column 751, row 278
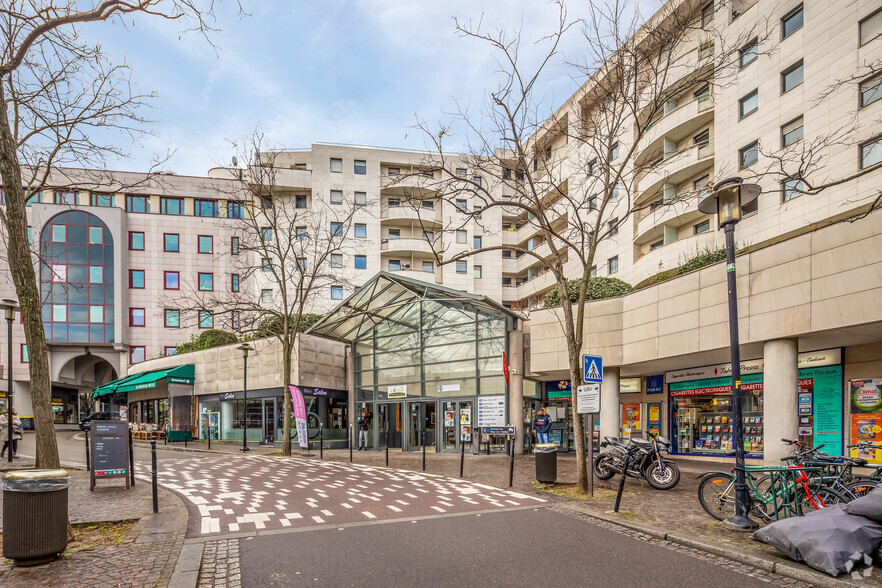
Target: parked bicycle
column 645, row 461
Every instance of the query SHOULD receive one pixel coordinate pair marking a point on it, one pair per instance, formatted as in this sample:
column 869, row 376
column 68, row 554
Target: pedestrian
column 16, row 433
column 542, row 424
column 364, row 423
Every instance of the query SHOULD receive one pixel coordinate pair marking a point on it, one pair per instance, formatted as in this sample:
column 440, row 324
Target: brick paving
column 220, row 564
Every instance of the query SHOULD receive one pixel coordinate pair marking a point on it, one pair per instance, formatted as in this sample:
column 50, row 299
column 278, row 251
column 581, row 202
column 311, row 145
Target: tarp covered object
column 829, row 540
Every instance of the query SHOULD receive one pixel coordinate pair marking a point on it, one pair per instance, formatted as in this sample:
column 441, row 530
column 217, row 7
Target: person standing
column 542, row 425
column 16, row 433
column 364, row 424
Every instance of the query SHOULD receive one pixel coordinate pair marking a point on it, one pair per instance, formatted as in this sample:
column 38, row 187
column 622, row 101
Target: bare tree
column 577, row 174
column 291, row 251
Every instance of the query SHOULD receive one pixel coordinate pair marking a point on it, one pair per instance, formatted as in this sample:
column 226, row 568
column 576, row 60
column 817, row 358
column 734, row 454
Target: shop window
column 136, row 317
column 172, row 280
column 206, row 319
column 136, row 241
column 206, row 244
column 171, row 242
column 136, row 279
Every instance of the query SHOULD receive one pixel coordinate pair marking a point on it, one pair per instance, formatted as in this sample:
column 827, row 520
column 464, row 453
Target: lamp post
column 245, row 348
column 9, row 306
column 727, row 200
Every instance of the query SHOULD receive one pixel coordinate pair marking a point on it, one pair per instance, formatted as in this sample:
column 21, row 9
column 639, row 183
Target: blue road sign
column 592, row 369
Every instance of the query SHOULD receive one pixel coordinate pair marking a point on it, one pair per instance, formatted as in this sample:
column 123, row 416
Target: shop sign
column 491, row 411
column 629, row 386
column 448, row 387
column 655, row 384
column 754, row 366
column 557, row 386
column 749, row 383
column 560, row 395
column 398, row 391
column 805, row 431
column 822, row 358
column 228, row 396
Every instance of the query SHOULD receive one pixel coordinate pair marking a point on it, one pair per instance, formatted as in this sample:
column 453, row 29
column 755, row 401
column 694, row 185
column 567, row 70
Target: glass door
column 389, row 425
column 457, row 424
column 414, row 426
column 269, row 420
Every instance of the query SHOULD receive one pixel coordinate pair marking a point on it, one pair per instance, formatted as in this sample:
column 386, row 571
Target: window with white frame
column 266, row 296
column 612, row 265
column 336, row 196
column 478, row 272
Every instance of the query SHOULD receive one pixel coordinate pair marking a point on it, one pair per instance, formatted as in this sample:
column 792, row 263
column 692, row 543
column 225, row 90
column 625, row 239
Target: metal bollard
column 321, row 442
column 625, row 465
column 424, row 450
column 88, row 457
column 185, row 439
column 461, row 455
column 131, row 459
column 387, row 448
column 209, row 437
column 351, row 430
column 153, row 465
column 511, row 465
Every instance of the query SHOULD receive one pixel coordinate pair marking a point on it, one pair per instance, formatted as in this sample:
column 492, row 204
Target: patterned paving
column 255, row 493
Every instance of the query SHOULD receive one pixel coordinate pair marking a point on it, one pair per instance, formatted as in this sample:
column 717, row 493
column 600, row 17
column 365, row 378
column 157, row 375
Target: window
column 506, row 173
column 206, row 282
column 702, row 227
column 477, row 242
column 300, row 201
column 791, row 132
column 102, row 200
column 612, row 265
column 234, row 283
column 35, row 197
column 461, row 173
column 139, row 204
column 205, row 208
column 592, row 203
column 336, row 165
column 336, row 229
column 871, row 27
column 136, row 240
column 69, row 198
column 699, row 185
column 613, row 227
column 206, row 319
column 394, row 265
column 791, row 22
column 96, row 313
column 302, row 233
column 461, row 236
column 234, row 245
column 266, row 296
column 702, row 139
column 336, row 292
column 59, row 233
column 206, row 244
column 428, row 204
column 462, row 206
column 702, row 94
column 871, row 90
column 748, row 104
column 136, row 279
column 707, row 14
column 393, row 202
column 172, row 206
column 592, row 273
column 394, row 233
column 360, row 167
column 519, row 175
column 136, row 317
column 336, row 260
column 748, row 155
column 266, row 202
column 657, row 245
column 171, row 242
column 266, row 234
column 706, row 50
column 235, row 209
column 748, row 53
column 791, row 77
column 614, row 151
column 137, row 354
column 234, row 318
column 360, row 198
column 302, row 264
column 429, row 266
column 266, row 265
column 336, row 196
column 478, row 272
column 535, row 164
column 462, row 267
column 361, row 262
column 169, row 351
column 871, row 153
column 96, row 236
column 393, row 171
column 172, row 280
column 24, row 353
column 792, row 188
column 361, row 230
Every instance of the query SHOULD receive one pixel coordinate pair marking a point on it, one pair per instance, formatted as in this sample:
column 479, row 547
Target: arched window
column 76, row 279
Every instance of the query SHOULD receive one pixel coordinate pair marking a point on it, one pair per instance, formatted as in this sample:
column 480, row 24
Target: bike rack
column 784, row 486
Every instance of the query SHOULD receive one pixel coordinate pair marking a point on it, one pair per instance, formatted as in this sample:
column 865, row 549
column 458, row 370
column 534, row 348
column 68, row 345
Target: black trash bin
column 546, row 462
column 34, row 515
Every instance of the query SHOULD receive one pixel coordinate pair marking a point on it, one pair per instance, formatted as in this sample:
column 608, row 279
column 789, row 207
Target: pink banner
column 298, row 407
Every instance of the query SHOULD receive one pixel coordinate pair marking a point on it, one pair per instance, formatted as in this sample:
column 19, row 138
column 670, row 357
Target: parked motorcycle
column 645, row 463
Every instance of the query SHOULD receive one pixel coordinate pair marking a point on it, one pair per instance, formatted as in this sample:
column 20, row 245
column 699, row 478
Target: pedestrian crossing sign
column 592, row 368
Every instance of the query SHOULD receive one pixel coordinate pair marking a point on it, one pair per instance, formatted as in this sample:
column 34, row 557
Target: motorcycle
column 645, row 461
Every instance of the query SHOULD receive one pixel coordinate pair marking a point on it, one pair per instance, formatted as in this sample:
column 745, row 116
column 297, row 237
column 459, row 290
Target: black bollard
column 511, row 465
column 153, row 465
column 88, row 457
column 424, row 450
column 351, row 430
column 387, row 448
column 321, row 442
column 131, row 459
column 461, row 455
column 622, row 481
column 209, row 436
column 185, row 439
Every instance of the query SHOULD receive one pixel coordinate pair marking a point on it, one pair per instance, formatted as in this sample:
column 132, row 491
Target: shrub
column 207, row 340
column 702, row 259
column 598, row 289
column 272, row 325
column 662, row 276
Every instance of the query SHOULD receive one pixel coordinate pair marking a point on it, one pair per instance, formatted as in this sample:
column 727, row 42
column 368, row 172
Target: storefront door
column 420, row 422
column 389, row 425
column 269, row 420
column 457, row 425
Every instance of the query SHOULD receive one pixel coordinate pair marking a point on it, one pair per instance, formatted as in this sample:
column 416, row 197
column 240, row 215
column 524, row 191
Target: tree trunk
column 287, row 349
column 21, row 266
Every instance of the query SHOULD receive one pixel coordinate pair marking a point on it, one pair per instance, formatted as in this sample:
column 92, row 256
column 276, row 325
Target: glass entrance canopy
column 421, row 340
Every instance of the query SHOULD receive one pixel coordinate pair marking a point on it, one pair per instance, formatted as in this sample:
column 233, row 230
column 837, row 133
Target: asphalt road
column 535, row 547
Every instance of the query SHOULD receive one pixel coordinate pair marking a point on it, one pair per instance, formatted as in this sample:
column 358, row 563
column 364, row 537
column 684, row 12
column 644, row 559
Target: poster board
column 866, row 416
column 109, row 451
column 653, row 417
column 491, row 411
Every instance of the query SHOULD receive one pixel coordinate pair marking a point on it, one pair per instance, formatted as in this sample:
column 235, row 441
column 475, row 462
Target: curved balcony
column 678, row 212
column 411, row 183
column 292, row 178
column 674, row 170
column 686, row 120
column 416, row 274
column 672, row 254
column 405, row 246
column 409, row 215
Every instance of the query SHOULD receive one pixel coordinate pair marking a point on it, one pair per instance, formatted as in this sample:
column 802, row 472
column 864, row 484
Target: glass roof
column 386, row 303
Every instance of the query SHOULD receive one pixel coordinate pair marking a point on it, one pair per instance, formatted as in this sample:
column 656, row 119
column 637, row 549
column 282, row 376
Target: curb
column 786, row 568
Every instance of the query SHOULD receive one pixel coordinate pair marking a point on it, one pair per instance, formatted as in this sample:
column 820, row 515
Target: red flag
column 505, row 367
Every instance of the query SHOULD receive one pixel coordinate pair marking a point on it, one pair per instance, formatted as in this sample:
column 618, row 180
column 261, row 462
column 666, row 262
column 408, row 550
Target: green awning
column 182, row 374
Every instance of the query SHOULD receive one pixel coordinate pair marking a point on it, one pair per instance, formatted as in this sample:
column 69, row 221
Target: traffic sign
column 508, row 430
column 588, row 398
column 592, row 369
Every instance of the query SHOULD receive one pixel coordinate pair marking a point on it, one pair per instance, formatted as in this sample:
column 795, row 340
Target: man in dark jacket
column 364, row 424
column 542, row 424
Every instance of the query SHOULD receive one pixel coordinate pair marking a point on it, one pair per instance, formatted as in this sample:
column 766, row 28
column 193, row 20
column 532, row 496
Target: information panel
column 109, row 450
column 491, row 411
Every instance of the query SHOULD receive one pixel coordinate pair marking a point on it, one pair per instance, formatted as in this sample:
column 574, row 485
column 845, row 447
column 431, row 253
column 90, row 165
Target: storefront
column 557, row 402
column 700, row 405
column 65, row 405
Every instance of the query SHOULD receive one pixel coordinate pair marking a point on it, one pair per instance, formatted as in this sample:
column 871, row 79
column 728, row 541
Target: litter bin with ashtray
column 34, row 515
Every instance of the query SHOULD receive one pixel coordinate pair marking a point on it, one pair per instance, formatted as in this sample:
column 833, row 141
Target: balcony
column 292, row 178
column 509, row 293
column 673, row 254
column 674, row 170
column 417, row 274
column 410, row 215
column 408, row 183
column 686, row 120
column 405, row 246
column 680, row 211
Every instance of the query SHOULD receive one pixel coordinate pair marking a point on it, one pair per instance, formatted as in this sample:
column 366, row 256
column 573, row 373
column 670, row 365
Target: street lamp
column 245, row 347
column 9, row 306
column 727, row 201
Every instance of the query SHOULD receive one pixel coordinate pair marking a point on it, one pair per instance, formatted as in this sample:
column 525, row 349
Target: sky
column 355, row 72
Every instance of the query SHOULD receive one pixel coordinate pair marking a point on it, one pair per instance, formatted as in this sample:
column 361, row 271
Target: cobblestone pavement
column 220, row 564
column 253, row 493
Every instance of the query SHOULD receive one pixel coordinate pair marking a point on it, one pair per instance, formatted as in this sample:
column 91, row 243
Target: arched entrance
column 73, row 386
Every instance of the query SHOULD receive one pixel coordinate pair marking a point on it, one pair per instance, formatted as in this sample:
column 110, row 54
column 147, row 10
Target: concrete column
column 350, row 387
column 609, row 403
column 780, row 405
column 516, row 386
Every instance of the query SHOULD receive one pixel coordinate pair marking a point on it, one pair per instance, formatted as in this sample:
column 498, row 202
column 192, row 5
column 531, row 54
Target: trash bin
column 34, row 515
column 546, row 462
